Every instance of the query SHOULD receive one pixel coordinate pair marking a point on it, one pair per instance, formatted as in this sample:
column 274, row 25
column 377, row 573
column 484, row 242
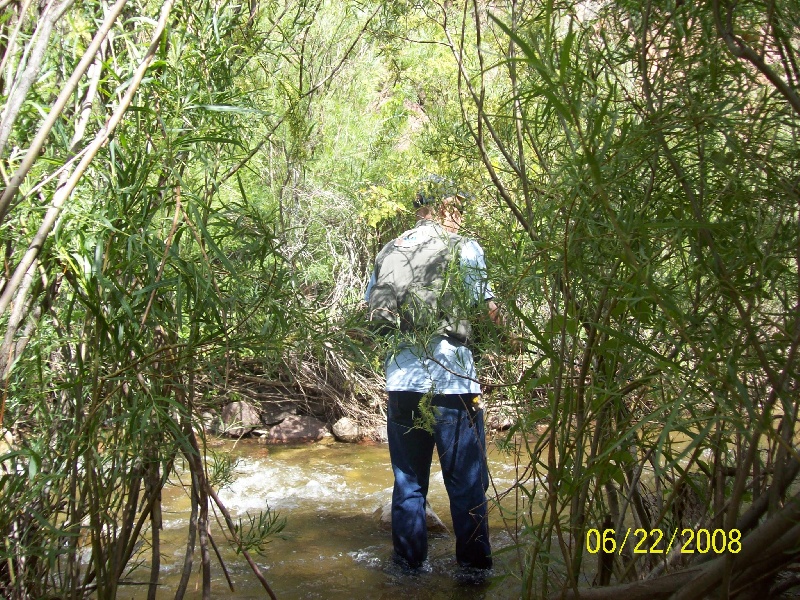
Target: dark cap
column 435, row 188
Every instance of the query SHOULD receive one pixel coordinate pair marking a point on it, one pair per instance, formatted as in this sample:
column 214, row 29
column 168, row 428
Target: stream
column 332, row 546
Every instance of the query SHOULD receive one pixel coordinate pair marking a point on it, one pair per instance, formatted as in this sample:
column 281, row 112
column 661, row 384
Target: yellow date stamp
column 660, row 541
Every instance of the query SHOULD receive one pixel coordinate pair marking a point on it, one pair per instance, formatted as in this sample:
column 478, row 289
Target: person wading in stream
column 430, row 371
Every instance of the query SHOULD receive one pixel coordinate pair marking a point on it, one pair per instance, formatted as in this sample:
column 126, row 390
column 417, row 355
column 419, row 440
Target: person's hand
column 512, row 344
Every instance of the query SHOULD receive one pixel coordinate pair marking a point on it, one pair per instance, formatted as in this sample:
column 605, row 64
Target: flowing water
column 332, row 546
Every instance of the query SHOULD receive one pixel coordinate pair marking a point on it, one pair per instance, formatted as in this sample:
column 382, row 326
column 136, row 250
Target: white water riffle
column 324, row 480
column 285, row 487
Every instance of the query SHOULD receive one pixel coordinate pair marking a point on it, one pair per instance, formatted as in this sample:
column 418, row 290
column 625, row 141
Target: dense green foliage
column 211, row 186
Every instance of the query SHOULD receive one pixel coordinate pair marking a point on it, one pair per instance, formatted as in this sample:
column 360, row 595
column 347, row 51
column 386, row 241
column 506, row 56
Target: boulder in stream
column 381, row 434
column 346, row 430
column 383, row 514
column 296, row 429
column 239, row 418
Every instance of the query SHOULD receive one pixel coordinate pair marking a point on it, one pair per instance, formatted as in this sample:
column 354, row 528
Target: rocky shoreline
column 284, row 424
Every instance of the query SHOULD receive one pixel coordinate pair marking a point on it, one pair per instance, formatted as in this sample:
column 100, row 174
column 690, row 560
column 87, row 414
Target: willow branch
column 483, row 121
column 336, row 69
column 738, row 48
column 11, row 44
column 23, row 83
column 63, row 193
column 55, row 112
column 190, row 542
column 245, row 553
column 8, row 353
column 22, row 306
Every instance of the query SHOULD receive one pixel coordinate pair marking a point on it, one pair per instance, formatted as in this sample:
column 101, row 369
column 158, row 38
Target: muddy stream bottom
column 332, row 546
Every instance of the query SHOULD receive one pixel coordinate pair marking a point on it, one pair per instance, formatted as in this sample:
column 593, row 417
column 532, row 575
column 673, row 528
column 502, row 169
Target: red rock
column 296, row 429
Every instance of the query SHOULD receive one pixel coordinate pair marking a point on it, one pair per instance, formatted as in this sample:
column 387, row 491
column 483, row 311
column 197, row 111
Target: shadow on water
column 332, row 546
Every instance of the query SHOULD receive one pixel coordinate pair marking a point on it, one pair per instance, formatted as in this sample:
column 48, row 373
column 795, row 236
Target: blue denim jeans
column 458, row 434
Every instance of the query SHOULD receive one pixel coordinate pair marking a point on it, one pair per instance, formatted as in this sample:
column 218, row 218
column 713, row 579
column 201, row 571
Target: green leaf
column 210, row 241
column 565, row 54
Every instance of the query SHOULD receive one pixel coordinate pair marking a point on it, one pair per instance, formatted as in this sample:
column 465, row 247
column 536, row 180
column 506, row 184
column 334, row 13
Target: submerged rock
column 296, row 429
column 383, row 514
column 239, row 418
column 346, row 430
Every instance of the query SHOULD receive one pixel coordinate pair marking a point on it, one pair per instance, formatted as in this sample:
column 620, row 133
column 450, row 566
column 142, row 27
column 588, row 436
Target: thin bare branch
column 24, row 81
column 63, row 193
column 55, row 112
column 740, row 49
